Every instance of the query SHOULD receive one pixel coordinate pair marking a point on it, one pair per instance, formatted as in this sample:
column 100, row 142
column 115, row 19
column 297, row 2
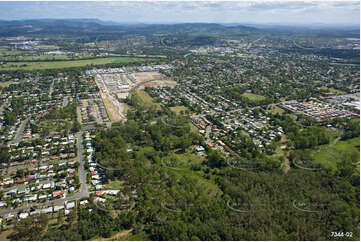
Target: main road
column 82, row 178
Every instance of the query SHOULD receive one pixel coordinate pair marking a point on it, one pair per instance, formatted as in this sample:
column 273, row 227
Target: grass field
column 293, row 116
column 330, row 155
column 253, row 97
column 194, row 128
column 282, row 152
column 115, row 185
column 333, row 90
column 66, row 64
column 5, row 84
column 209, row 185
column 274, row 109
column 44, row 57
column 178, row 109
column 188, row 158
column 122, row 60
column 7, row 51
column 150, row 56
column 146, row 99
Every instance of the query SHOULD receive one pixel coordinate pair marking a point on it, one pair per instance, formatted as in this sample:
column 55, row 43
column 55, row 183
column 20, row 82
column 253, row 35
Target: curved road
column 82, row 178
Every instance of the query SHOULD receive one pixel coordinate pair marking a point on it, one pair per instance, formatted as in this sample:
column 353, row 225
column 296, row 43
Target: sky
column 256, row 12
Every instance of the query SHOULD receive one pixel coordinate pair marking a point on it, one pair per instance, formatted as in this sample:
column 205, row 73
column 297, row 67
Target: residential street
column 19, row 132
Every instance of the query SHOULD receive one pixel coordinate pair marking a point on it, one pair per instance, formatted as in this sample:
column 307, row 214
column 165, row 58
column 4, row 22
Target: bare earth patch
column 117, row 109
column 160, row 83
column 111, row 108
column 148, row 76
column 153, row 79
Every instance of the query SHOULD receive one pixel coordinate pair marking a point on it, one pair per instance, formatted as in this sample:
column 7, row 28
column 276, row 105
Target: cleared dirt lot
column 160, row 83
column 117, row 109
column 110, row 105
column 148, row 76
column 153, row 79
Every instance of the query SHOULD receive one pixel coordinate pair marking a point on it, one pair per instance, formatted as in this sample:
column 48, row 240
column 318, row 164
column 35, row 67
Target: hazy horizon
column 296, row 13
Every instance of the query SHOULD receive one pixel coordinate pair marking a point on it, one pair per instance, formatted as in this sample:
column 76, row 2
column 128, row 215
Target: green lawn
column 66, row 64
column 330, row 155
column 253, row 97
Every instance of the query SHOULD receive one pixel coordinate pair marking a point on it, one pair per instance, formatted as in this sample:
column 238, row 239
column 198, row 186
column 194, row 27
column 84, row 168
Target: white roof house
column 58, row 208
column 83, row 202
column 23, row 215
column 46, row 185
column 35, row 212
column 42, row 196
column 47, row 210
column 70, row 205
column 112, row 192
column 96, row 177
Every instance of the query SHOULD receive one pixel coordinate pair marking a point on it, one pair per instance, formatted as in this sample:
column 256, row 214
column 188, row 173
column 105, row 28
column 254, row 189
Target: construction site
column 114, row 89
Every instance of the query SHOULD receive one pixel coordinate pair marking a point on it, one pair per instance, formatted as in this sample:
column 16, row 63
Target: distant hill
column 96, row 26
column 92, row 29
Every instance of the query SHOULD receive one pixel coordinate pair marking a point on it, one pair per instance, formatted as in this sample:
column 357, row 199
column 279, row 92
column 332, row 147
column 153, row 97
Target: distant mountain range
column 92, row 26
